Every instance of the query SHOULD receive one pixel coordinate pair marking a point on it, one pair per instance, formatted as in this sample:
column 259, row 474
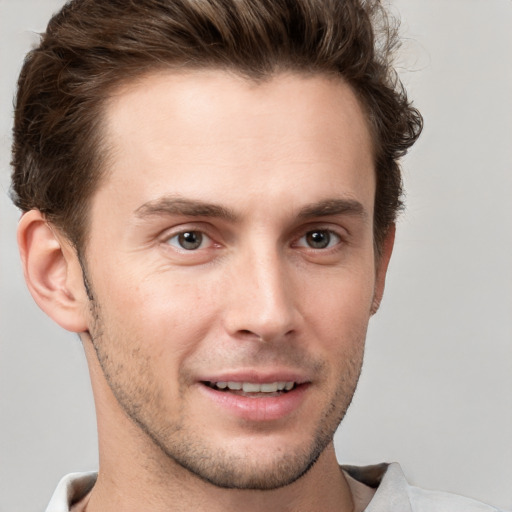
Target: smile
column 256, row 401
column 253, row 387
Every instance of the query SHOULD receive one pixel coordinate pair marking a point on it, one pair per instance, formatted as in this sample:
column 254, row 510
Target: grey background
column 436, row 390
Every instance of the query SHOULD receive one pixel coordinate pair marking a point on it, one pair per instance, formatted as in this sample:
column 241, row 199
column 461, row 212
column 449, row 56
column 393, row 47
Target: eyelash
column 332, row 236
column 198, row 237
column 183, row 234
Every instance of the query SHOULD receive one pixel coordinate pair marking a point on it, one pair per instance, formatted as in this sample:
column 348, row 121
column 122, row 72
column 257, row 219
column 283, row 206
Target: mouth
column 256, row 398
column 253, row 389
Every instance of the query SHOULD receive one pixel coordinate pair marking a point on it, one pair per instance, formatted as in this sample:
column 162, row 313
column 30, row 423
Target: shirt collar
column 392, row 487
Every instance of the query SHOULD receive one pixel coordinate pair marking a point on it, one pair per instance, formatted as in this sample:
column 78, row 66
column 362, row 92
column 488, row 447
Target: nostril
column 264, row 336
column 247, row 333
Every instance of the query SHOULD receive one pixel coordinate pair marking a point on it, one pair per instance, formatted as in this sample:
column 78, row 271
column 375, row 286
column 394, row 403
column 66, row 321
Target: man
column 210, row 191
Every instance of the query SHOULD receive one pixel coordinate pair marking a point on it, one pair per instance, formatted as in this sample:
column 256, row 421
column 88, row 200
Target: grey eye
column 319, row 239
column 188, row 240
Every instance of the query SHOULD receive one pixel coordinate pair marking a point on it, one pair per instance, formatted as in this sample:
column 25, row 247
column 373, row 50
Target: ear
column 52, row 272
column 382, row 267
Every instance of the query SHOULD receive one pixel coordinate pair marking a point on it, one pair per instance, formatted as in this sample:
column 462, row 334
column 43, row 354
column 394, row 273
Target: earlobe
column 382, row 268
column 52, row 272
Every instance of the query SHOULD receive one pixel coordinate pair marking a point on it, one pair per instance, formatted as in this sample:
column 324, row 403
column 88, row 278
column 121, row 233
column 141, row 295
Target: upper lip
column 257, row 376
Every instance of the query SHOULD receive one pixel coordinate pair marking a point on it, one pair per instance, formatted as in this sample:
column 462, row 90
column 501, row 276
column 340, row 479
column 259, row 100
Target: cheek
column 343, row 298
column 164, row 315
column 338, row 318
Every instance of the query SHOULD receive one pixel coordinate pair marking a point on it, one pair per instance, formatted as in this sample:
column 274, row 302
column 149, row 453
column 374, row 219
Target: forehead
column 210, row 132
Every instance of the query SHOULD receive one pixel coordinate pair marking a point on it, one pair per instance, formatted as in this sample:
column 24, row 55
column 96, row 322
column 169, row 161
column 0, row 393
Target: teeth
column 249, row 387
column 252, row 387
column 269, row 388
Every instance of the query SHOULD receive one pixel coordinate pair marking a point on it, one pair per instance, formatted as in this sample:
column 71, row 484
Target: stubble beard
column 182, row 447
column 225, row 470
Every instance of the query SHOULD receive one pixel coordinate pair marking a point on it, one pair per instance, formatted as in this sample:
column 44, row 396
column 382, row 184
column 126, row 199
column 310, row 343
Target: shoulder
column 436, row 501
column 393, row 492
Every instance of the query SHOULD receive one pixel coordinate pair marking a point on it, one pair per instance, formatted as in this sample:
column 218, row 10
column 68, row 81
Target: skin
column 266, row 174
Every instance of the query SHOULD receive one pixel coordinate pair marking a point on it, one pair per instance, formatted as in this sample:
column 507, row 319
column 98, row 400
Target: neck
column 128, row 486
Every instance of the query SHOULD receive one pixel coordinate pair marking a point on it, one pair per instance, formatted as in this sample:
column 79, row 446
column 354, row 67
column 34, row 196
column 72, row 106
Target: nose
column 262, row 300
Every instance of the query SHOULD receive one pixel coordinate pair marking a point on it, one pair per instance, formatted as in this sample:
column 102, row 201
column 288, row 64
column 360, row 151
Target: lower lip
column 258, row 408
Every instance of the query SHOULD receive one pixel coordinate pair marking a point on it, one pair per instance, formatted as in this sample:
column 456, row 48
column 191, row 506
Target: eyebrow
column 173, row 205
column 333, row 207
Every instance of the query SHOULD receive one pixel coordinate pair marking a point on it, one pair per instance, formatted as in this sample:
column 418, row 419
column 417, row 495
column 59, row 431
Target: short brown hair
column 92, row 46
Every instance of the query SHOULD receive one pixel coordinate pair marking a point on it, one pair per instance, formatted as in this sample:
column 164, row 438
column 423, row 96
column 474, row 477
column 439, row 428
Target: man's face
column 231, row 259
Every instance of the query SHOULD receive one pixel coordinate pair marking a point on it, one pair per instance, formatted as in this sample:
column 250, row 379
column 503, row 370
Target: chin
column 246, row 474
column 260, row 466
